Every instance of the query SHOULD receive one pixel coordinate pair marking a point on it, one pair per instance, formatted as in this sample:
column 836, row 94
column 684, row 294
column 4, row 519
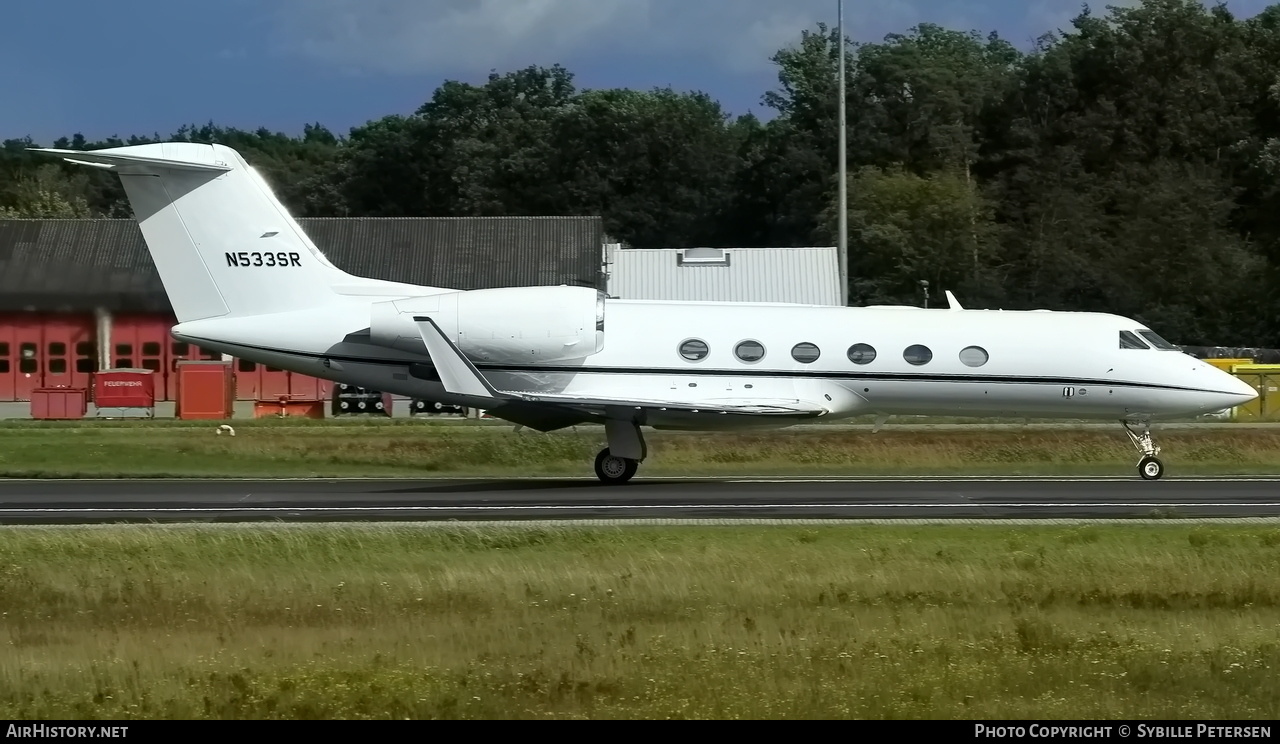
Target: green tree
column 486, row 149
column 657, row 165
column 904, row 228
column 45, row 192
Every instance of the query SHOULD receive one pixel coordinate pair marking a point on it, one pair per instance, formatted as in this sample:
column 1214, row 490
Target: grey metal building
column 808, row 276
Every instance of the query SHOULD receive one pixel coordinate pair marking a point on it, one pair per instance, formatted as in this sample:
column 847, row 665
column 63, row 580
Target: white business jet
column 245, row 280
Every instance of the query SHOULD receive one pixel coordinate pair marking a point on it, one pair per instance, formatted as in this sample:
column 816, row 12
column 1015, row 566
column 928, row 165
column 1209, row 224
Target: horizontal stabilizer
column 113, row 159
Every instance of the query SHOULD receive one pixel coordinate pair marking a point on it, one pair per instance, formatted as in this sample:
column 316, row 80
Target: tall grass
column 1160, row 622
column 470, row 450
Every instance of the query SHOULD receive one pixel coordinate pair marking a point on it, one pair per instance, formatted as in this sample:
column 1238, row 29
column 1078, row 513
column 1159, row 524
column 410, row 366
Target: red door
column 8, row 360
column 248, row 379
column 142, row 342
column 272, row 382
column 67, row 351
column 26, row 355
column 302, row 387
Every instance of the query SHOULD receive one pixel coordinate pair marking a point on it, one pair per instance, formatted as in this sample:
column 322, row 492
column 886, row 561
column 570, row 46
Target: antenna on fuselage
column 951, row 301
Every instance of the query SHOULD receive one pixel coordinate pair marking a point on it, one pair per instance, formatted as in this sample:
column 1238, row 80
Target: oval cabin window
column 917, row 355
column 862, row 354
column 805, row 353
column 694, row 349
column 749, row 351
column 974, row 356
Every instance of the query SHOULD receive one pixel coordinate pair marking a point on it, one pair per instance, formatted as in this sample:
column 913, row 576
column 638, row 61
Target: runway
column 333, row 500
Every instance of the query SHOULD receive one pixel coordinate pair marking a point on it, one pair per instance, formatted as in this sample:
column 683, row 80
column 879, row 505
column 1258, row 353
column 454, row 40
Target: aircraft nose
column 1235, row 391
column 1240, row 387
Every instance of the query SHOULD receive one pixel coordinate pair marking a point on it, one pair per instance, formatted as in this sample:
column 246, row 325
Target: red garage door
column 44, row 351
column 143, row 342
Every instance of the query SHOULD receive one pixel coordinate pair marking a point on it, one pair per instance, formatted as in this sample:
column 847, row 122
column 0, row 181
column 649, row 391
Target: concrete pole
column 103, row 318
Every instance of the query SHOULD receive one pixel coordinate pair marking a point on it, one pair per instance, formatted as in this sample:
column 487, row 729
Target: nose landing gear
column 1149, row 467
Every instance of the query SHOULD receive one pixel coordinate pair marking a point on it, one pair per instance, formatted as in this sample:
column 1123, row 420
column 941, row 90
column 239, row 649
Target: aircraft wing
column 460, row 377
column 798, row 408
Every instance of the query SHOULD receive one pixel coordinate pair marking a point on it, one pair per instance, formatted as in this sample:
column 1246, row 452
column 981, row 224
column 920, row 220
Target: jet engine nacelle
column 510, row 325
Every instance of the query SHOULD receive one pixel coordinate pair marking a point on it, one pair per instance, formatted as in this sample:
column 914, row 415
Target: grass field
column 1155, row 621
column 407, row 448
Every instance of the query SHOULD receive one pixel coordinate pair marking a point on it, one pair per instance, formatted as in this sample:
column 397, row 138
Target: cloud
column 435, row 36
column 471, row 37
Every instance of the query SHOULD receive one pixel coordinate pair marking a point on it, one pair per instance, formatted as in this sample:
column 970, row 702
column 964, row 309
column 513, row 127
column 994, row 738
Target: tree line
column 1128, row 166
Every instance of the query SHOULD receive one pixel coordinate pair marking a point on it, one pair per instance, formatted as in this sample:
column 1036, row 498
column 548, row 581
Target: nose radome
column 1240, row 387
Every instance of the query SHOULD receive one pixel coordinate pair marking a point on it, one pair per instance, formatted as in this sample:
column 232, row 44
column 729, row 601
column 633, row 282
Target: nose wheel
column 1149, row 467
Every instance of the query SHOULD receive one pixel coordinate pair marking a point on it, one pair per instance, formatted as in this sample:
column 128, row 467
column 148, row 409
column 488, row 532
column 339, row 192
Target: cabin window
column 749, row 351
column 917, row 355
column 1156, row 341
column 862, row 354
column 805, row 353
column 973, row 356
column 1130, row 341
column 694, row 349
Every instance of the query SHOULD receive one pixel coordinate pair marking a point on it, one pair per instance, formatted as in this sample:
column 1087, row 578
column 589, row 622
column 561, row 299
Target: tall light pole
column 844, row 186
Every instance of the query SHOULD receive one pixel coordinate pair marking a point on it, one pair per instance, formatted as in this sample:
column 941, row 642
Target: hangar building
column 79, row 296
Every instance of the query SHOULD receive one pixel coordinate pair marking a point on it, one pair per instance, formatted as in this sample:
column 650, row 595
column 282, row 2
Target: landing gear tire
column 1150, row 468
column 614, row 470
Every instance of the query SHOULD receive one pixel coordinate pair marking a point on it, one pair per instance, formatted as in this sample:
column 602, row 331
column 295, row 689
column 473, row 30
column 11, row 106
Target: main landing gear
column 1149, row 467
column 618, row 462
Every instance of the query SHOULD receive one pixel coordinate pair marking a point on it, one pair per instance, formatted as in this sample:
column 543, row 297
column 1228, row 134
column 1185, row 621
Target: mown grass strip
column 993, row 622
column 442, row 450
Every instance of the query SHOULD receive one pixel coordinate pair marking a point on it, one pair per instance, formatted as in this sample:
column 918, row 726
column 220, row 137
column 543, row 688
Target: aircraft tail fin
column 222, row 242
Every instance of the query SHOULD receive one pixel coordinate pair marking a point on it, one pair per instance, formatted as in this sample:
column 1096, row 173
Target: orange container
column 206, row 390
column 59, row 403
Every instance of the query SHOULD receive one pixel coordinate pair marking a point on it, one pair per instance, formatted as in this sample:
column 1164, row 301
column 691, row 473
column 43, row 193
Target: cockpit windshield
column 1130, row 341
column 1156, row 341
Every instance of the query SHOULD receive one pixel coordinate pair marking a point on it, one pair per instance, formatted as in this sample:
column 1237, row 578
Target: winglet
column 459, row 375
column 951, row 301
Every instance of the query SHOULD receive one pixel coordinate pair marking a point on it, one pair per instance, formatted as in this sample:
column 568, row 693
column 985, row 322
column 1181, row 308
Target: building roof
column 809, row 276
column 76, row 265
